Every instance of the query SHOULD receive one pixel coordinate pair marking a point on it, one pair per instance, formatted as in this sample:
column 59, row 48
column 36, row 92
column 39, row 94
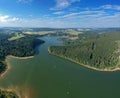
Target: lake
column 48, row 76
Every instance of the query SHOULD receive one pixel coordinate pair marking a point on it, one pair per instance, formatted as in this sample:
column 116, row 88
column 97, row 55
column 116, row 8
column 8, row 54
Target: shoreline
column 8, row 67
column 20, row 58
column 11, row 90
column 110, row 69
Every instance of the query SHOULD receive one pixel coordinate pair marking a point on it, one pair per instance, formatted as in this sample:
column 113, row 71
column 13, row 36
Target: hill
column 100, row 51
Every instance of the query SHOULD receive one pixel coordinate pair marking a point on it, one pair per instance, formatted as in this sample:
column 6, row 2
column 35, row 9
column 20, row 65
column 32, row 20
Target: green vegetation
column 7, row 94
column 42, row 33
column 21, row 47
column 2, row 67
column 73, row 32
column 95, row 50
column 16, row 36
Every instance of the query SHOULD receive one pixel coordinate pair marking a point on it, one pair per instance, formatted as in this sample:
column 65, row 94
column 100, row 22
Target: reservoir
column 48, row 76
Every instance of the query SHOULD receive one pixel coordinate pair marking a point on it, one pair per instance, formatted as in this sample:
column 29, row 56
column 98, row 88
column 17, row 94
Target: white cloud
column 4, row 18
column 106, row 21
column 81, row 19
column 7, row 18
column 25, row 1
column 91, row 18
column 61, row 4
column 14, row 19
column 83, row 14
column 58, row 13
column 110, row 7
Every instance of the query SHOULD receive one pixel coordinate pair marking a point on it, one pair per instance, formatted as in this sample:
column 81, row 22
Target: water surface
column 47, row 76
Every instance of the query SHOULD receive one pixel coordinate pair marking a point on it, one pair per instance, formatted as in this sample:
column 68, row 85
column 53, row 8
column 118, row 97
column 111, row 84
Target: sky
column 60, row 13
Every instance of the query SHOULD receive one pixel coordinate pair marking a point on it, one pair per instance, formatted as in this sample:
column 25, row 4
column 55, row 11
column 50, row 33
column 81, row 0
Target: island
column 98, row 50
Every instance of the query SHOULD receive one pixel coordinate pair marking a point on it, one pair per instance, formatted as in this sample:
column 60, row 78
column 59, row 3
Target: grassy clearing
column 39, row 33
column 16, row 36
column 73, row 32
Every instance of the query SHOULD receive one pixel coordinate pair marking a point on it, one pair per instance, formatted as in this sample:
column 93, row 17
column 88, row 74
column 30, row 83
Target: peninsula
column 98, row 51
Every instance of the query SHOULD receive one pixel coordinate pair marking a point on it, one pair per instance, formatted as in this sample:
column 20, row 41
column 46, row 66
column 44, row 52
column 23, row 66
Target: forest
column 10, row 44
column 98, row 50
column 21, row 47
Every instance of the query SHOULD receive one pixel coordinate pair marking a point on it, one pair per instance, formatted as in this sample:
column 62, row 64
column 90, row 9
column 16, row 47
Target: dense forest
column 7, row 94
column 21, row 47
column 99, row 50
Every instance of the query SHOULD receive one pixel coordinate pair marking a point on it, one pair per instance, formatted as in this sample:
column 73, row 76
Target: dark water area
column 48, row 76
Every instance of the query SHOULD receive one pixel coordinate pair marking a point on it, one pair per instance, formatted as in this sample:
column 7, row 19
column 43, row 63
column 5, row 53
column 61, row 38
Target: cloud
column 7, row 18
column 91, row 18
column 87, row 18
column 106, row 21
column 14, row 19
column 4, row 18
column 58, row 13
column 83, row 14
column 62, row 4
column 110, row 7
column 25, row 1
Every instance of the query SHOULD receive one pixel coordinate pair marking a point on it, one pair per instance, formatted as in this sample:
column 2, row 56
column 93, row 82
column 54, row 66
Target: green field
column 73, row 32
column 16, row 36
column 39, row 33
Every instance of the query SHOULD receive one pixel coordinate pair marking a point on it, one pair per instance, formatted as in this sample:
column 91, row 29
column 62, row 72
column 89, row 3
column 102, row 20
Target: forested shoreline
column 98, row 51
column 20, row 47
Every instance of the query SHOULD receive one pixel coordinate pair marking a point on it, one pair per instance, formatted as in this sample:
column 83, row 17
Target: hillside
column 99, row 51
column 21, row 47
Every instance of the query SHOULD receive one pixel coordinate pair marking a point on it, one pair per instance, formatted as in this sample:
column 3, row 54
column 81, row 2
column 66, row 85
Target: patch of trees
column 97, row 50
column 6, row 94
column 2, row 67
column 21, row 47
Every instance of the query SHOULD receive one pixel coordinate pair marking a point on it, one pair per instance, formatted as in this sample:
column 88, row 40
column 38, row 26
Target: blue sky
column 60, row 13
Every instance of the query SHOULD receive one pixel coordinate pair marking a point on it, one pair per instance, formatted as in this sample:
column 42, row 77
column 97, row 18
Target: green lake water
column 47, row 76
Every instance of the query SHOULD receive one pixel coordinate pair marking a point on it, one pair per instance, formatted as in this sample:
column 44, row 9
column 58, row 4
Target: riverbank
column 10, row 90
column 110, row 69
column 8, row 67
column 21, row 58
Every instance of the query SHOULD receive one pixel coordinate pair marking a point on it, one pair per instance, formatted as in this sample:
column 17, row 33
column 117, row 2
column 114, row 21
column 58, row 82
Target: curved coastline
column 34, row 42
column 21, row 58
column 110, row 69
column 11, row 90
column 8, row 67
